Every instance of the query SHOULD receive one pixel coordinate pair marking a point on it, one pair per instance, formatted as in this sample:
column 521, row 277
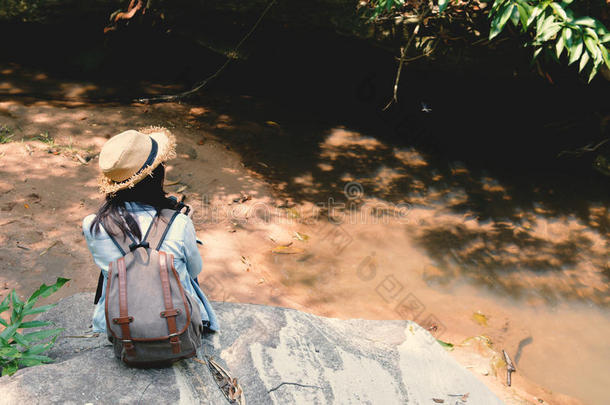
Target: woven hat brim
column 167, row 150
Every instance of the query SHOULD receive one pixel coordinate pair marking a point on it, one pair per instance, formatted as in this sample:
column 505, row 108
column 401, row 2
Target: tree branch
column 403, row 56
column 292, row 383
column 230, row 56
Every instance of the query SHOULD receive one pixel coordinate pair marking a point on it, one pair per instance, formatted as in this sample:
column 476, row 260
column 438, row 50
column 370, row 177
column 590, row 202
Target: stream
column 451, row 208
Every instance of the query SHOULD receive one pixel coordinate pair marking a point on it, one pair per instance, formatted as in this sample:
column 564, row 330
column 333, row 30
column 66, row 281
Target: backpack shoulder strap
column 158, row 229
column 121, row 244
column 123, row 247
column 98, row 289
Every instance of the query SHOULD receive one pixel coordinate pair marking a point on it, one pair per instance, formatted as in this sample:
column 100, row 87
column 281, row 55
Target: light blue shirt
column 180, row 241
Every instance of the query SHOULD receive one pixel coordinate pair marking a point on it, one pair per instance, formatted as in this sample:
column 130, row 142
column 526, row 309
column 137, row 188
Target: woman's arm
column 191, row 253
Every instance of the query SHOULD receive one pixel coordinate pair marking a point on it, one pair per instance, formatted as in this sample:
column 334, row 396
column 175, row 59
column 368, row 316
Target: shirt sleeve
column 101, row 247
column 191, row 253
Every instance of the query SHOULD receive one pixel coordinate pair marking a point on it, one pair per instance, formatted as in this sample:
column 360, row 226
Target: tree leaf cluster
column 551, row 28
column 555, row 29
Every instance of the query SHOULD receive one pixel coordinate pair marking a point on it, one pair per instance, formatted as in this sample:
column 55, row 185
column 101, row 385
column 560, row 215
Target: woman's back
column 180, row 241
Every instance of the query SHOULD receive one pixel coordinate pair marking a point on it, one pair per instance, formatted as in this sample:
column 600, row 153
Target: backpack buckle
column 122, row 320
column 174, row 341
column 130, row 349
column 134, row 246
column 170, row 312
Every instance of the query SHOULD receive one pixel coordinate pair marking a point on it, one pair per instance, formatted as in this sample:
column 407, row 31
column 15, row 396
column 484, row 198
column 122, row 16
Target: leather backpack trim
column 170, row 312
column 182, row 294
column 124, row 320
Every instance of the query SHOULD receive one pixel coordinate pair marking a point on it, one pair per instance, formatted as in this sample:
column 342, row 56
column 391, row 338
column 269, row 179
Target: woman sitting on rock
column 133, row 172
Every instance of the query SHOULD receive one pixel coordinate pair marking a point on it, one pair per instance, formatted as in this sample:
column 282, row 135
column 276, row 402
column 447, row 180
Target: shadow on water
column 480, row 147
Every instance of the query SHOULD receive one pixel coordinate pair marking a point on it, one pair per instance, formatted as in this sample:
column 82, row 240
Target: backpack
column 150, row 319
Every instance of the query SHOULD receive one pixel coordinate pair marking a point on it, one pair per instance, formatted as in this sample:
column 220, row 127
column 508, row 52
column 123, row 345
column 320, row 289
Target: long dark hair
column 148, row 191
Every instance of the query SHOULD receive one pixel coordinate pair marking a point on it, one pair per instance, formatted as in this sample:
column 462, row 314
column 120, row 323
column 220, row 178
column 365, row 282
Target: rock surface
column 280, row 356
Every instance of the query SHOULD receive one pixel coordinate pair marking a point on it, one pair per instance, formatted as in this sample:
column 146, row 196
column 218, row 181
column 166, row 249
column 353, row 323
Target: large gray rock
column 279, row 355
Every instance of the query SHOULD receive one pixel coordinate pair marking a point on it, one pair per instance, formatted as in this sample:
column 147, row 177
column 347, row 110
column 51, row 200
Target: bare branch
column 200, row 85
column 403, row 59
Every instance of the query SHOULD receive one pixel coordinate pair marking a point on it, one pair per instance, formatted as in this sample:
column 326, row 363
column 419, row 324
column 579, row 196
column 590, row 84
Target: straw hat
column 130, row 156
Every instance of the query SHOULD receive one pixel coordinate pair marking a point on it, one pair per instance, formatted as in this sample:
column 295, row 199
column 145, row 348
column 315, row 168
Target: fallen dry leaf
column 242, row 199
column 301, row 236
column 80, row 158
column 245, row 261
column 287, row 250
column 480, row 318
column 291, row 212
column 47, row 249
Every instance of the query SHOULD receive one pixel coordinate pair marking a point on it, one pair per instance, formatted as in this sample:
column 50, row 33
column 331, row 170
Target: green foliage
column 385, row 6
column 552, row 28
column 380, row 7
column 44, row 137
column 20, row 349
column 447, row 346
column 442, row 5
column 555, row 29
column 602, row 165
column 6, row 134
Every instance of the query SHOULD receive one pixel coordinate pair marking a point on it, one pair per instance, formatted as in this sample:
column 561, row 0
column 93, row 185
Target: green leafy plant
column 20, row 349
column 380, row 7
column 384, row 6
column 44, row 137
column 6, row 134
column 556, row 30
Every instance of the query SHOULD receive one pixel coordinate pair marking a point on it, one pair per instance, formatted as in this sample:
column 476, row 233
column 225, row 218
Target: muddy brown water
column 446, row 209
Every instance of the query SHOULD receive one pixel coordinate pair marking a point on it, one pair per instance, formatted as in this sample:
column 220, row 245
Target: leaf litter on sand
column 80, row 159
column 245, row 261
column 285, row 244
column 480, row 318
column 242, row 199
column 301, row 236
column 287, row 250
column 447, row 346
column 47, row 249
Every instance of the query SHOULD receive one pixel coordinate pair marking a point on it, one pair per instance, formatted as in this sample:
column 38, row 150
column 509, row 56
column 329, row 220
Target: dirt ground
column 349, row 254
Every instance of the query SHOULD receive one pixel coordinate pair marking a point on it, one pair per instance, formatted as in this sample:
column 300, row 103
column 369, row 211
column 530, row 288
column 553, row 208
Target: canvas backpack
column 150, row 319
